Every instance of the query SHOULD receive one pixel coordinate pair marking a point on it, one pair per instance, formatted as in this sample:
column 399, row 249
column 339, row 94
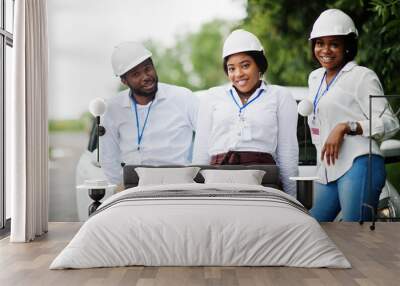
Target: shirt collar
column 160, row 96
column 349, row 66
column 263, row 87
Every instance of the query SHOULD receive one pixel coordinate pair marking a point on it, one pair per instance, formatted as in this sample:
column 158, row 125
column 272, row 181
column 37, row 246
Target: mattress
column 201, row 225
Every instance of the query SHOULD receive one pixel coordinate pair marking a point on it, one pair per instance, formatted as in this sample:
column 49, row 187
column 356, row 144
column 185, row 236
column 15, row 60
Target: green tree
column 380, row 46
column 284, row 25
column 195, row 60
column 206, row 50
column 169, row 63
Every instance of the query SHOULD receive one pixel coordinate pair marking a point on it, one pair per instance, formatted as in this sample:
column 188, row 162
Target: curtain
column 26, row 123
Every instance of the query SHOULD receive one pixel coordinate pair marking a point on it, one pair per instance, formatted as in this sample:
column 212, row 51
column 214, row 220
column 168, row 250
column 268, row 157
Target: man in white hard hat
column 150, row 123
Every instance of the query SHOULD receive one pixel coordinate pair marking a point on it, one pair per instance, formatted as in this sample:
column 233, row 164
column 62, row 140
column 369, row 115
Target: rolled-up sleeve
column 287, row 148
column 384, row 123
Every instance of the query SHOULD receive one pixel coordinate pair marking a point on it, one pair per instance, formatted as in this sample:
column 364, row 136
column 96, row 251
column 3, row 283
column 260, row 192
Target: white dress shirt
column 348, row 100
column 270, row 126
column 167, row 137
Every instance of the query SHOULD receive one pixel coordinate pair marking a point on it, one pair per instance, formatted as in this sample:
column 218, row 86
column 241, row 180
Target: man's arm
column 110, row 151
column 203, row 130
column 192, row 109
column 287, row 147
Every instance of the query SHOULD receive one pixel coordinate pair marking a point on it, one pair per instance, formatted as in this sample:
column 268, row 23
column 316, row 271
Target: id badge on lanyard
column 315, row 126
column 315, row 130
column 243, row 127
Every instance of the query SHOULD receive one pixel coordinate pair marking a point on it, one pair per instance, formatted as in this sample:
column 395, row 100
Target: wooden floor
column 374, row 255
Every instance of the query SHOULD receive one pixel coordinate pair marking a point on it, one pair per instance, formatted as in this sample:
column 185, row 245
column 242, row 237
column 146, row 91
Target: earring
column 347, row 51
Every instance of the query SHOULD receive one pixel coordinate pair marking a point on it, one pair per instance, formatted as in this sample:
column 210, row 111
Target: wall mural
column 96, row 72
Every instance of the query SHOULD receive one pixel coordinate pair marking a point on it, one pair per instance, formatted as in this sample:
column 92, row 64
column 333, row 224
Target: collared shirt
column 270, row 124
column 167, row 137
column 348, row 100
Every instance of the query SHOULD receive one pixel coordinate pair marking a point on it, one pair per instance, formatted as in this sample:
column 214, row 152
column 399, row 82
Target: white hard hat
column 127, row 55
column 240, row 41
column 333, row 22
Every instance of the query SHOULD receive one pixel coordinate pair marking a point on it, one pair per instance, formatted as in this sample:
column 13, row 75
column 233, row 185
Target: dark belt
column 242, row 158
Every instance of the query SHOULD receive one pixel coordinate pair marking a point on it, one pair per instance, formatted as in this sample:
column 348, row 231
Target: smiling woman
column 244, row 71
column 330, row 52
column 339, row 124
column 249, row 121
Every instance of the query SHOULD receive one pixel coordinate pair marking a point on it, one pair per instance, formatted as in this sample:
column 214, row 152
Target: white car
column 389, row 204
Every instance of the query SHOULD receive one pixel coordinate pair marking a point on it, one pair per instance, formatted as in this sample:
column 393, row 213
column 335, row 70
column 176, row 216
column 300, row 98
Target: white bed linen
column 200, row 231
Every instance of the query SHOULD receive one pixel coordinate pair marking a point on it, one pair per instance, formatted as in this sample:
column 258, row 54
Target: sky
column 82, row 34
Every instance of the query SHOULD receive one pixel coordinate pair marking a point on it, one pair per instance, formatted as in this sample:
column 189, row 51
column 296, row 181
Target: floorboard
column 374, row 255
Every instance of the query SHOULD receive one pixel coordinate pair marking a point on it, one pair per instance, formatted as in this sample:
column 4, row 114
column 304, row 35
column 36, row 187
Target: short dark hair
column 259, row 58
column 350, row 47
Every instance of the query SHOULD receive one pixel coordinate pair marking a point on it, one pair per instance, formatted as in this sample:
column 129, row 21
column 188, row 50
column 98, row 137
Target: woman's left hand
column 331, row 148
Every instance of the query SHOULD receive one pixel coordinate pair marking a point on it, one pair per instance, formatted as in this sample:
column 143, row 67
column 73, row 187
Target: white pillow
column 248, row 177
column 166, row 176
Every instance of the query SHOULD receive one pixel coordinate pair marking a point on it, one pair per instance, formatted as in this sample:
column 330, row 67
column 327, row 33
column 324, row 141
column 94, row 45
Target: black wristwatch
column 353, row 127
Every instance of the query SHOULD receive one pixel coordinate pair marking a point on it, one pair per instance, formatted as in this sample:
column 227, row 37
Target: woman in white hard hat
column 248, row 121
column 339, row 124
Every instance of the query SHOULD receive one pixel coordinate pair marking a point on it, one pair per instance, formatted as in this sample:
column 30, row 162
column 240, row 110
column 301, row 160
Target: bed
column 201, row 224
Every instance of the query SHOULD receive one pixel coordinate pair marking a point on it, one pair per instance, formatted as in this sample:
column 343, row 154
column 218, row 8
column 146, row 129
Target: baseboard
column 5, row 231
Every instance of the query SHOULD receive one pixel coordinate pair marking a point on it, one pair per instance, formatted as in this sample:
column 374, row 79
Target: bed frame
column 270, row 179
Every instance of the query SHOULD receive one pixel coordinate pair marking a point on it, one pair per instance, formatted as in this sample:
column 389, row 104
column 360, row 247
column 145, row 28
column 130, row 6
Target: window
column 6, row 44
column 9, row 15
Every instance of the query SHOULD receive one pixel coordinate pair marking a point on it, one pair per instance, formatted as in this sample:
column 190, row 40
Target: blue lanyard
column 134, row 109
column 247, row 103
column 318, row 97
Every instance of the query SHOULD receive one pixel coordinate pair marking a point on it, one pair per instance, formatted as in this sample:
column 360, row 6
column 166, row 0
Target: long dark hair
column 258, row 57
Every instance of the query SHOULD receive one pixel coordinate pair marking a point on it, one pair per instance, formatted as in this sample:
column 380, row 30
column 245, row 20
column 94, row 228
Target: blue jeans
column 350, row 192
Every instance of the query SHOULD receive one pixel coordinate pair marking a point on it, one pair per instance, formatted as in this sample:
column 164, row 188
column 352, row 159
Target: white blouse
column 268, row 124
column 348, row 100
